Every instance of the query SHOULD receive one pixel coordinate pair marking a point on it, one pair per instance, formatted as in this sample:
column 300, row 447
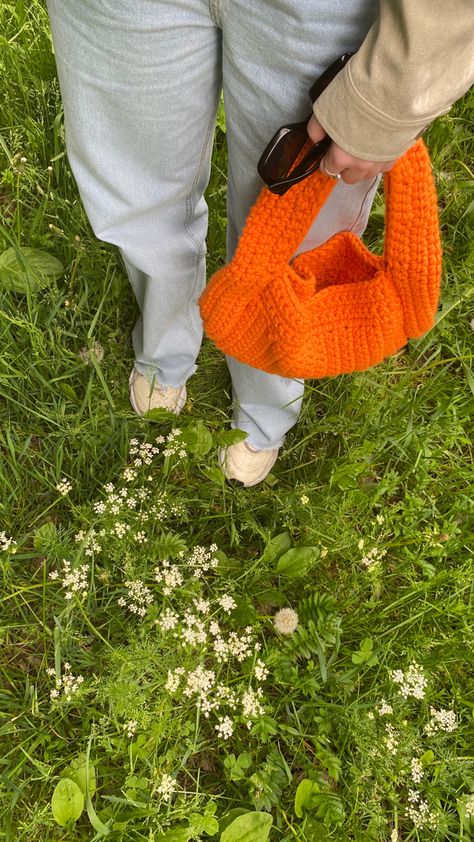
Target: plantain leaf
column 67, row 802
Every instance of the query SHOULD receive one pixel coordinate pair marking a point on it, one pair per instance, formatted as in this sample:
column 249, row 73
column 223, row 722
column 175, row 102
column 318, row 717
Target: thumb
column 315, row 129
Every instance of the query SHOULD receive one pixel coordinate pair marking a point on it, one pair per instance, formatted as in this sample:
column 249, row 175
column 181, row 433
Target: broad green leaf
column 197, row 439
column 224, row 438
column 77, row 773
column 67, row 802
column 44, row 537
column 304, row 796
column 251, row 827
column 276, row 547
column 214, row 474
column 34, row 271
column 229, row 817
column 297, row 562
column 178, row 834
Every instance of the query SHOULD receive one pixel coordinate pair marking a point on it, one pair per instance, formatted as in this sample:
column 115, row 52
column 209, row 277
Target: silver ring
column 331, row 174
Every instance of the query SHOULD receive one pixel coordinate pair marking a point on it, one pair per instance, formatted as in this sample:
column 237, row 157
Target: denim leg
column 273, row 50
column 140, row 83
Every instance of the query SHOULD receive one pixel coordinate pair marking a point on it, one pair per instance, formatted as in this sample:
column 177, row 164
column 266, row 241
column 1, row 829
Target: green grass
column 383, row 457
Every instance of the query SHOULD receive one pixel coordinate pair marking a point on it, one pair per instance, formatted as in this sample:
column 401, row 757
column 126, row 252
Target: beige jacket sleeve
column 416, row 61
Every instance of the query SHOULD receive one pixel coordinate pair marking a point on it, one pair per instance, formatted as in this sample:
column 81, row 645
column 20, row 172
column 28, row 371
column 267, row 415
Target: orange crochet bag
column 337, row 308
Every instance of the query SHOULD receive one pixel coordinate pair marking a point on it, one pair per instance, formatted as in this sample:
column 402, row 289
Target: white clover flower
column 412, row 683
column 167, row 787
column 227, row 603
column 225, row 728
column 441, row 720
column 64, row 487
column 416, row 770
column 286, row 621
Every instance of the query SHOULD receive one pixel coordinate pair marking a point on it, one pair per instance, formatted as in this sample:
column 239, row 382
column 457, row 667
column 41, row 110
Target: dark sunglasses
column 281, row 165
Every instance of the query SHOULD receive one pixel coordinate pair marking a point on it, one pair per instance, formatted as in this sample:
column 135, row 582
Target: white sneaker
column 244, row 463
column 145, row 395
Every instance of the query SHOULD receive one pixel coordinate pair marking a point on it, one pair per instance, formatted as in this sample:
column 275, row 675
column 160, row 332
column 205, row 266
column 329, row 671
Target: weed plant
column 183, row 660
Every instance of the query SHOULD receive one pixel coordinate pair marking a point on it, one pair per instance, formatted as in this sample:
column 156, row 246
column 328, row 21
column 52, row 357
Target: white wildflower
column 130, row 727
column 373, row 557
column 286, row 621
column 202, row 560
column 412, row 683
column 441, row 720
column 174, row 678
column 69, row 684
column 7, row 543
column 225, row 728
column 227, row 603
column 304, row 499
column 74, row 581
column 64, row 487
column 469, row 802
column 416, row 770
column 170, row 575
column 260, row 670
column 251, row 706
column 168, row 620
column 138, row 598
column 167, row 787
column 385, row 709
column 199, row 681
column 202, row 605
column 419, row 811
column 391, row 740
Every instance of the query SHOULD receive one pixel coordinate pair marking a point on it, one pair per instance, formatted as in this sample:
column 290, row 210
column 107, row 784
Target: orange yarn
column 337, row 308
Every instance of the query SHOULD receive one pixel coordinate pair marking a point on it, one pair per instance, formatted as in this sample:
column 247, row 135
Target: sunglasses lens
column 282, row 158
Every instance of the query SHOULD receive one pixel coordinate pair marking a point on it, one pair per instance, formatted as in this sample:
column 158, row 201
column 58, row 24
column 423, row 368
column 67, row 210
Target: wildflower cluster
column 6, row 543
column 138, row 598
column 74, row 580
column 130, row 727
column 200, row 624
column 64, row 487
column 286, row 621
column 441, row 720
column 412, row 683
column 419, row 811
column 68, row 683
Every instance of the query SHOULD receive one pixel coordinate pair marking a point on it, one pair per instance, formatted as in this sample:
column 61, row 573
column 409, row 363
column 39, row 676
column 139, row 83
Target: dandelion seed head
column 286, row 621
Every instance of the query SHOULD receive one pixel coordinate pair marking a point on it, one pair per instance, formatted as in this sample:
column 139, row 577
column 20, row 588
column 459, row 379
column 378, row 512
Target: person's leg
column 273, row 50
column 140, row 82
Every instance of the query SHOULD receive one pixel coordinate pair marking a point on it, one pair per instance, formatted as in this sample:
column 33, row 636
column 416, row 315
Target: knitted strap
column 277, row 225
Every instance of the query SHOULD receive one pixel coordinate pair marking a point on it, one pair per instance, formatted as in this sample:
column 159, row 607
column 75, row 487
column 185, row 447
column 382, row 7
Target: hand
column 352, row 169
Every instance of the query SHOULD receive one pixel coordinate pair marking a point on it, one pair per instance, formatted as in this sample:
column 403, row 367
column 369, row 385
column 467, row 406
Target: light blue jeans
column 140, row 83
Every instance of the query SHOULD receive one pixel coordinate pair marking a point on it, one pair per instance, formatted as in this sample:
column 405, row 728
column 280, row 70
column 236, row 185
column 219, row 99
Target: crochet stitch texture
column 337, row 308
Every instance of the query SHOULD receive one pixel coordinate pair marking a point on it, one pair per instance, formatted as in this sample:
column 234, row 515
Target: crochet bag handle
column 277, row 225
